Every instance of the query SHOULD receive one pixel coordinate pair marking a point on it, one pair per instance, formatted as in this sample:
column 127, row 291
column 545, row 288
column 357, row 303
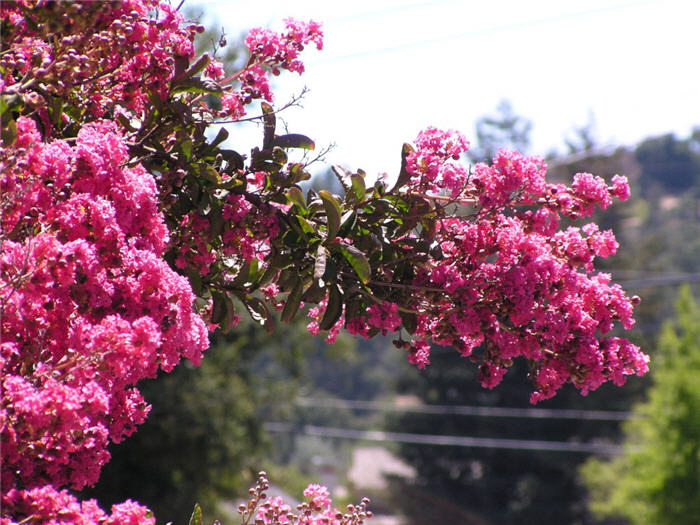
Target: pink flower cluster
column 106, row 54
column 507, row 284
column 434, row 164
column 500, row 279
column 48, row 505
column 281, row 51
column 89, row 306
column 270, row 52
column 247, row 231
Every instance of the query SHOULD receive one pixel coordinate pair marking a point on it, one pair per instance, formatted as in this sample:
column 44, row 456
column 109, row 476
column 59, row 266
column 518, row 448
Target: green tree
column 582, row 138
column 669, row 163
column 502, row 129
column 656, row 481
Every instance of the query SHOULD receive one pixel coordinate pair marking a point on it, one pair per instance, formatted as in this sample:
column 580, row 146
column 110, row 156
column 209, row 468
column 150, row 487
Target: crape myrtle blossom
column 270, row 52
column 106, row 53
column 48, row 505
column 316, row 509
column 502, row 280
column 89, row 305
column 127, row 233
column 281, row 51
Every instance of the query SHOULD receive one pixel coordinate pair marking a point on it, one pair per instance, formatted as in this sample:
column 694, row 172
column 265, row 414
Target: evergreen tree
column 502, row 129
column 656, row 481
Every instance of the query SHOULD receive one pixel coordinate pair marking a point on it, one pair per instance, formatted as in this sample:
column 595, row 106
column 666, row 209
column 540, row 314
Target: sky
column 391, row 68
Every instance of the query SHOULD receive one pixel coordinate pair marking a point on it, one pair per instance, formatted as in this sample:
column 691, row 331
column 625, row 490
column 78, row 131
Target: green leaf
column 306, row 225
column 295, row 196
column 353, row 305
column 267, row 275
column 196, row 518
column 293, row 301
column 186, row 148
column 287, row 279
column 221, row 136
column 197, row 67
column 208, row 172
column 409, row 321
column 333, row 213
column 320, row 263
column 195, row 279
column 269, row 124
column 55, row 110
column 259, row 312
column 347, row 222
column 343, row 176
column 281, row 261
column 227, row 323
column 279, row 155
column 242, row 276
column 9, row 132
column 314, row 293
column 198, row 85
column 293, row 140
column 7, row 103
column 358, row 261
column 358, row 186
column 234, row 159
column 404, row 175
column 76, row 114
column 216, row 220
column 218, row 309
column 379, row 188
column 334, row 308
column 254, row 271
column 297, row 173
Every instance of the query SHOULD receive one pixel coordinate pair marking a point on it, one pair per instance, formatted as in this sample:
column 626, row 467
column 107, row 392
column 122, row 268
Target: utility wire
column 462, row 410
column 479, row 32
column 661, row 280
column 435, row 440
column 384, row 11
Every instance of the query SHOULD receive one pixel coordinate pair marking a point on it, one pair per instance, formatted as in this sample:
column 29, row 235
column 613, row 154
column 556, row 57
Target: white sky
column 391, row 68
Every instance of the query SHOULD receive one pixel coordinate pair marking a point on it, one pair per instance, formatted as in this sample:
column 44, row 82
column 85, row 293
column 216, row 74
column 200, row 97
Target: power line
column 385, row 11
column 480, row 32
column 463, row 410
column 661, row 280
column 436, row 440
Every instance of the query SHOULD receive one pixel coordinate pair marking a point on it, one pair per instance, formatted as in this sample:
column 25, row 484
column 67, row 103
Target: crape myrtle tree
column 129, row 232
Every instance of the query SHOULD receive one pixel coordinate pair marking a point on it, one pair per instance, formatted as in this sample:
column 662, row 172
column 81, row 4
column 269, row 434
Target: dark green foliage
column 669, row 163
column 500, row 486
column 657, row 479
